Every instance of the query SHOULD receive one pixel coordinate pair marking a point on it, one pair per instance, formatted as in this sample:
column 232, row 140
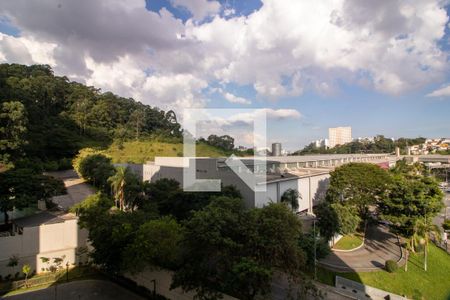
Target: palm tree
column 423, row 233
column 118, row 183
column 290, row 197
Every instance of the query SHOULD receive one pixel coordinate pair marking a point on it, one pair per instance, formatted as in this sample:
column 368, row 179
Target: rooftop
column 43, row 218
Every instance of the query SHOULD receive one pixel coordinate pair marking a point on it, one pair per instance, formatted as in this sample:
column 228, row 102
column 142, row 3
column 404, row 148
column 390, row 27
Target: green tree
column 336, row 218
column 21, row 188
column 137, row 121
column 409, row 200
column 328, row 220
column 358, row 184
column 156, row 244
column 118, row 182
column 424, row 231
column 96, row 168
column 291, row 197
column 13, row 126
column 233, row 250
column 348, row 218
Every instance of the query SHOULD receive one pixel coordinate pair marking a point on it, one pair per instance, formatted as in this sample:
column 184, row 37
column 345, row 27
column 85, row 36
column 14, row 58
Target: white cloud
column 26, row 50
column 283, row 49
column 235, row 99
column 442, row 92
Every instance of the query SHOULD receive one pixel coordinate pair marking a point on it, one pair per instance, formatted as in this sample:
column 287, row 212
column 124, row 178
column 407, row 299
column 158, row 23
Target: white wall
column 52, row 240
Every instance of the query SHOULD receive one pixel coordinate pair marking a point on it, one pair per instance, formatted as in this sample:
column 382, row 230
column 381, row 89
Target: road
column 380, row 245
column 77, row 189
column 79, row 290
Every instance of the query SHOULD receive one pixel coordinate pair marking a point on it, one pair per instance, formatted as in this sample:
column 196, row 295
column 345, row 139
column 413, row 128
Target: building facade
column 339, row 136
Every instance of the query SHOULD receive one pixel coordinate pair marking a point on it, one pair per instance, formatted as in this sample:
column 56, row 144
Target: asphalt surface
column 380, row 245
column 77, row 189
column 79, row 290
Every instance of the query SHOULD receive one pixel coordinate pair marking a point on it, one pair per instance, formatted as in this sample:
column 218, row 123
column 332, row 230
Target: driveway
column 380, row 245
column 77, row 189
column 76, row 290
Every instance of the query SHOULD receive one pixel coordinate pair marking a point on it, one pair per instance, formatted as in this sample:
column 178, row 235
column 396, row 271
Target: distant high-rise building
column 276, row 149
column 321, row 143
column 339, row 136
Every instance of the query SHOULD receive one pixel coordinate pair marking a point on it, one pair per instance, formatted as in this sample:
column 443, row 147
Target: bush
column 391, row 266
column 446, row 224
column 51, row 166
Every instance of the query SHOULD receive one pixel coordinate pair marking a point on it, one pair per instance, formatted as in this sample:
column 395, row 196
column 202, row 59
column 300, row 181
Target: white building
column 339, row 136
column 307, row 174
column 44, row 234
column 321, row 143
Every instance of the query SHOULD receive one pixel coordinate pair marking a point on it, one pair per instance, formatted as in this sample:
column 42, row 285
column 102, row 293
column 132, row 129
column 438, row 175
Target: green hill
column 142, row 151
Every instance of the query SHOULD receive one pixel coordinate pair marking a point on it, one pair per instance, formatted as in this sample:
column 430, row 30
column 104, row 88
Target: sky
column 381, row 67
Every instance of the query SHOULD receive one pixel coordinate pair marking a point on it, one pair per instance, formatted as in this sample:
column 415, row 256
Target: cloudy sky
column 381, row 66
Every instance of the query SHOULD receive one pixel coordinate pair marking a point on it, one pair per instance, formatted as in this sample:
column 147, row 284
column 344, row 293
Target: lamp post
column 67, row 271
column 315, row 245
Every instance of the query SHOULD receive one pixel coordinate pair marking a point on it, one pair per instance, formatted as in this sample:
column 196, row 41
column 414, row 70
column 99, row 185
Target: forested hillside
column 380, row 144
column 47, row 118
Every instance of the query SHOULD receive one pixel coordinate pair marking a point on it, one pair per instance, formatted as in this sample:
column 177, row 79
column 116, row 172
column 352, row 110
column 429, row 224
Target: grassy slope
column 415, row 284
column 142, row 151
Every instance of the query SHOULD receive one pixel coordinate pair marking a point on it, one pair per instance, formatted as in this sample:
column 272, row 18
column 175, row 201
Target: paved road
column 79, row 290
column 380, row 245
column 77, row 189
column 280, row 290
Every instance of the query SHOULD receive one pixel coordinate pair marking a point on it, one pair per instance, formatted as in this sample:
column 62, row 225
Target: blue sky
column 380, row 67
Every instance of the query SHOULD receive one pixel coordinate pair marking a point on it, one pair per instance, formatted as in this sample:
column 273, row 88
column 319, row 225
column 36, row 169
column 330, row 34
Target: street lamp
column 67, row 271
column 315, row 246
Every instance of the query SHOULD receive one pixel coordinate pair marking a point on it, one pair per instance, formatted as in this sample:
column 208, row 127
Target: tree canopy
column 48, row 117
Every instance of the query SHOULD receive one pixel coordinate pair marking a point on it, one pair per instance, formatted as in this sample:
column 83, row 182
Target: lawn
column 415, row 284
column 142, row 151
column 77, row 273
column 348, row 242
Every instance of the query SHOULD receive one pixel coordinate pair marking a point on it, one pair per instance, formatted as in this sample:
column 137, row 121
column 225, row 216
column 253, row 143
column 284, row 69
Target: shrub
column 51, row 166
column 446, row 224
column 391, row 266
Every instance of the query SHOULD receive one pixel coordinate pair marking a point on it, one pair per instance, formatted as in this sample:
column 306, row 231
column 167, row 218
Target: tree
column 13, row 126
column 224, row 142
column 348, row 218
column 409, row 200
column 137, row 121
column 26, row 269
column 328, row 220
column 228, row 249
column 117, row 182
column 336, row 218
column 170, row 199
column 95, row 168
column 21, row 188
column 358, row 184
column 290, row 197
column 306, row 242
column 156, row 244
column 423, row 232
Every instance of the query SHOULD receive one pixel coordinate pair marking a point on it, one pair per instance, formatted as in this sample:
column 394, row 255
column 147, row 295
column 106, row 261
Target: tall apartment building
column 339, row 136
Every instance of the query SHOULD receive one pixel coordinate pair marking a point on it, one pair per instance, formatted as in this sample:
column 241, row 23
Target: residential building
column 339, row 136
